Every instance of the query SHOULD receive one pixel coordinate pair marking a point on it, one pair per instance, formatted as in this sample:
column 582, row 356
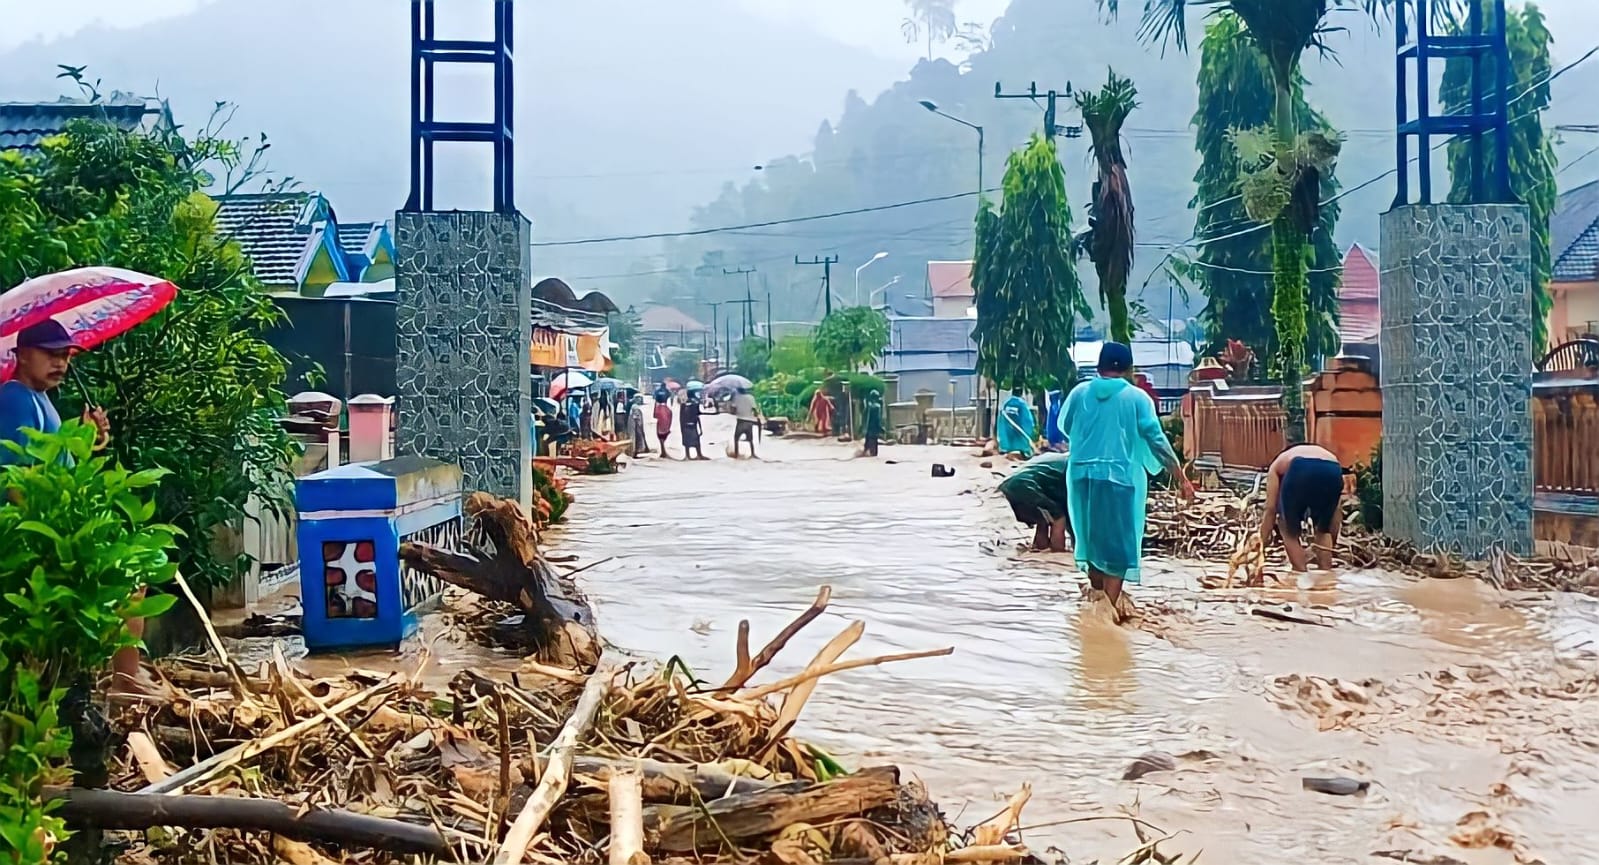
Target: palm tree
column 1110, row 214
column 934, row 19
column 1282, row 166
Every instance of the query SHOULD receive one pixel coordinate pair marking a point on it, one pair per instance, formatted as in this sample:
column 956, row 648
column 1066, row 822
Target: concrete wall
column 937, row 381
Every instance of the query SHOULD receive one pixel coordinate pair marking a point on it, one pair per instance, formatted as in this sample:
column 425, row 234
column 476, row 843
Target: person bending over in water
column 1037, row 496
column 1304, row 480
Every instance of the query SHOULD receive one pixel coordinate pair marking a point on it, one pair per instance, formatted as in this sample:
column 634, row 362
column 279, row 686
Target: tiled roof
column 1359, row 315
column 269, row 228
column 1574, row 234
column 950, row 278
column 24, row 124
column 931, row 335
column 353, row 236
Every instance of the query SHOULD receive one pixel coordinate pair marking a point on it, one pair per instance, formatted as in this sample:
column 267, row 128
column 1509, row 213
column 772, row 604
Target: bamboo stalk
column 808, row 675
column 557, row 771
column 747, row 667
column 626, row 792
column 795, row 701
column 239, row 680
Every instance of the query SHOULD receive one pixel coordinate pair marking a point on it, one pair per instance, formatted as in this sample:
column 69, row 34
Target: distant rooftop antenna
column 427, row 53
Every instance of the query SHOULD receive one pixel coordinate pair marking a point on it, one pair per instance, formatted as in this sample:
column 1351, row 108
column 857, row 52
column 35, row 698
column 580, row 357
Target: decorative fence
column 1239, row 430
column 1565, row 418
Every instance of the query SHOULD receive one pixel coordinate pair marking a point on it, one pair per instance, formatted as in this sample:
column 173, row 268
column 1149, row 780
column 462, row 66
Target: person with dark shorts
column 1037, row 496
column 872, row 427
column 1305, row 481
column 747, row 420
column 688, row 420
column 663, row 423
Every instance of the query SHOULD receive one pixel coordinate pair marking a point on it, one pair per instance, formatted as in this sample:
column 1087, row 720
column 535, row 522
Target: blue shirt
column 22, row 407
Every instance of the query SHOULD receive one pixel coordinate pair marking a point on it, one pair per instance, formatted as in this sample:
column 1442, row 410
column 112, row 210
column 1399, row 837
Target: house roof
column 951, row 279
column 1574, row 234
column 354, row 236
column 273, row 229
column 23, row 125
column 1146, row 353
column 1360, row 318
column 668, row 319
column 930, row 335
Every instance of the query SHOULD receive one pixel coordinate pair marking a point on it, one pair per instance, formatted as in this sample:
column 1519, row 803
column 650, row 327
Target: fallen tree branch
column 557, row 771
column 109, row 809
column 672, row 783
column 747, row 667
column 627, row 819
column 736, row 818
column 818, row 672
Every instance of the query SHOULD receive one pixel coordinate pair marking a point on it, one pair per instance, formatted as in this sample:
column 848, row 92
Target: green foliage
column 552, row 491
column 1532, row 152
column 851, row 337
column 1368, row 490
column 1236, row 92
column 625, row 333
column 1111, row 240
column 754, row 359
column 683, row 366
column 860, row 383
column 794, row 354
column 81, row 542
column 195, row 390
column 1028, row 294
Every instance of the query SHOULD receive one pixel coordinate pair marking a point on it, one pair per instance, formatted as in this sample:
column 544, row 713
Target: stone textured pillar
column 463, row 329
column 1457, row 377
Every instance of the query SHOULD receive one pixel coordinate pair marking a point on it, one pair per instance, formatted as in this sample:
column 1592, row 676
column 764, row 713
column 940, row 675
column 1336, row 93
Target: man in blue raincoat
column 1116, row 443
column 1015, row 432
column 1053, row 437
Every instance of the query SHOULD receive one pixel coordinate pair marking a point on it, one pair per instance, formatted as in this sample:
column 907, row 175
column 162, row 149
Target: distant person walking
column 663, row 422
column 747, row 420
column 636, row 428
column 1115, row 443
column 1304, row 481
column 688, row 420
column 872, row 423
column 1016, row 426
column 822, row 411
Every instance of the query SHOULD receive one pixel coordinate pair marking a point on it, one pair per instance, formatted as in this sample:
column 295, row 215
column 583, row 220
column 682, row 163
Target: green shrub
column 1368, row 490
column 860, row 383
column 81, row 543
column 796, row 386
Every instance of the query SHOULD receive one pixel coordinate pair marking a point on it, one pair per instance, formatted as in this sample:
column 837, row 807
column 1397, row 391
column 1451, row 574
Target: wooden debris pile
column 1223, row 527
column 622, row 764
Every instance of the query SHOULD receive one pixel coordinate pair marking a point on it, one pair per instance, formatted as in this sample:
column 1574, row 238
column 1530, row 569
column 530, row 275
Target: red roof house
column 949, row 284
column 1359, row 316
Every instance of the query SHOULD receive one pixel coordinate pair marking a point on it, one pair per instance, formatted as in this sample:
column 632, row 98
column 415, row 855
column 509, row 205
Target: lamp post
column 875, row 259
column 883, row 289
column 932, row 106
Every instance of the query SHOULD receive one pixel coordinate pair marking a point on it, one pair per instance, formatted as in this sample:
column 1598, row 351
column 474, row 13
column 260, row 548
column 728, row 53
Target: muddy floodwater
column 1473, row 715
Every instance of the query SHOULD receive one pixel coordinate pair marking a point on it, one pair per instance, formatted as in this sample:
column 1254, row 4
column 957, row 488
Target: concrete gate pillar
column 1457, row 377
column 463, row 328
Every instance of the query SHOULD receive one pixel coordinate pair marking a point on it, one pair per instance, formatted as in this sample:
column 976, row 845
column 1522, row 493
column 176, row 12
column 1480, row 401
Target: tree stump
column 501, row 562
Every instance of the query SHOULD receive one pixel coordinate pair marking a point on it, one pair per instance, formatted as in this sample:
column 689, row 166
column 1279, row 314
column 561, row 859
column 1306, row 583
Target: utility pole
column 748, row 321
column 716, row 322
column 827, row 278
column 1051, row 129
column 768, row 322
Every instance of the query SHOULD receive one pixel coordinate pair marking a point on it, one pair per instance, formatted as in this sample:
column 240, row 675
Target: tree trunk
column 738, row 818
column 1290, row 248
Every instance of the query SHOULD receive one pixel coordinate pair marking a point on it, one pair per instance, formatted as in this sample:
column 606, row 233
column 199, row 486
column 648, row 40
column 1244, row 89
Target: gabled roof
column 1574, row 234
column 358, row 238
column 951, row 279
column 1360, row 318
column 668, row 319
column 930, row 335
column 23, row 125
column 274, row 230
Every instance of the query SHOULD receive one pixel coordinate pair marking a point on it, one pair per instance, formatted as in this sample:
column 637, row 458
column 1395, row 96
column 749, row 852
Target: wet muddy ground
column 1474, row 716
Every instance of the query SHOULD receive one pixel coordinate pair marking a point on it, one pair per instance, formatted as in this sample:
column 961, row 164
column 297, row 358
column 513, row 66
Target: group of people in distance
column 1096, row 492
column 746, row 413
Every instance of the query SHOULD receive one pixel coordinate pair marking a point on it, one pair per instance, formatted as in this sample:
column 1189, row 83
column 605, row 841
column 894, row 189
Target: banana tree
column 1110, row 236
column 1282, row 166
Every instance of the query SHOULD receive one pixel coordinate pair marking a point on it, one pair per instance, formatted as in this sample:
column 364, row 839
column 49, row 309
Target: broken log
column 627, row 820
column 738, row 818
column 671, row 783
column 108, row 809
column 556, row 623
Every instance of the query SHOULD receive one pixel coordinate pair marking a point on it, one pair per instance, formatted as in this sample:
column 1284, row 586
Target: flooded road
column 1474, row 716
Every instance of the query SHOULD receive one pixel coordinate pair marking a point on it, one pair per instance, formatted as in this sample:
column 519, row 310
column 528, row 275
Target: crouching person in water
column 1116, row 444
column 1304, row 481
column 1037, row 496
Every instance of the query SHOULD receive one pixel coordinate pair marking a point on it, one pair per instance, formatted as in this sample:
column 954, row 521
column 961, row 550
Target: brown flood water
column 1458, row 701
column 1481, row 702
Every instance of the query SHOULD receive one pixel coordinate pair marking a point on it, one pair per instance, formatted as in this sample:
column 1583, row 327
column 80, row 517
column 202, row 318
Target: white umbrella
column 570, row 380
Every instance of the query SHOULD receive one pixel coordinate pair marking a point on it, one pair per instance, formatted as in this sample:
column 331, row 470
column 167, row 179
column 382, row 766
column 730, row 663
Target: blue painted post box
column 354, row 590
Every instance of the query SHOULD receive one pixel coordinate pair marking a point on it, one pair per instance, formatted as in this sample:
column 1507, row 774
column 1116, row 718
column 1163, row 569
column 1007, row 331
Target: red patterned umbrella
column 94, row 304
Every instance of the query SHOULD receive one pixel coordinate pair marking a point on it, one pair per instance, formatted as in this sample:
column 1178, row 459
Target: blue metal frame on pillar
column 427, row 53
column 1484, row 45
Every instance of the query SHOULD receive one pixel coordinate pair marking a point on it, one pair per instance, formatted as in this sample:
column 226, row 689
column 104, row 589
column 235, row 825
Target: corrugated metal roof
column 1574, row 234
column 1359, row 315
column 23, row 125
column 950, row 278
column 272, row 231
column 353, row 236
column 930, row 335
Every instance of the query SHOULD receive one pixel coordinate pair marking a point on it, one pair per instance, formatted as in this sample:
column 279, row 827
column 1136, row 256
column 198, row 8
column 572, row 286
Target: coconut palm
column 934, row 19
column 1282, row 166
column 1110, row 239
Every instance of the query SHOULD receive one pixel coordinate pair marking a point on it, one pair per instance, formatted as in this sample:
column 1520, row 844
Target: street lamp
column 932, row 106
column 884, row 289
column 875, row 259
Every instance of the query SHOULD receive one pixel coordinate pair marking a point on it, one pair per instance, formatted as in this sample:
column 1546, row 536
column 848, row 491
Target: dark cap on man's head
column 1115, row 357
column 48, row 335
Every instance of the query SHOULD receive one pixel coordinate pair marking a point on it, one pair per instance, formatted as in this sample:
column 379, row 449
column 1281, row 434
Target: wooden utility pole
column 1051, row 128
column 827, row 278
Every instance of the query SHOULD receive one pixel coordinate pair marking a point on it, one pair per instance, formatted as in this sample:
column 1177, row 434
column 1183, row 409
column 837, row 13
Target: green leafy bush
column 850, row 338
column 81, row 544
column 1368, row 490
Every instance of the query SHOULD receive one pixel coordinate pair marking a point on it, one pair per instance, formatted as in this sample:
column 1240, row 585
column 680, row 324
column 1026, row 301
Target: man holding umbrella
column 44, row 355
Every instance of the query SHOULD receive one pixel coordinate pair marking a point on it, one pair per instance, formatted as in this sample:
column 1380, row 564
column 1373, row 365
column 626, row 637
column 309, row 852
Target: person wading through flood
column 688, row 420
column 1304, row 480
column 748, row 420
column 1037, row 496
column 822, row 411
column 636, row 429
column 872, row 423
column 1115, row 442
column 1015, row 433
column 663, row 421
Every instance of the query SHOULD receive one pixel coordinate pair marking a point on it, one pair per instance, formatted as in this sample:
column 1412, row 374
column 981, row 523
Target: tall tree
column 1110, row 213
column 933, row 20
column 850, row 338
column 1532, row 154
column 1028, row 294
column 1282, row 164
column 1233, row 271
